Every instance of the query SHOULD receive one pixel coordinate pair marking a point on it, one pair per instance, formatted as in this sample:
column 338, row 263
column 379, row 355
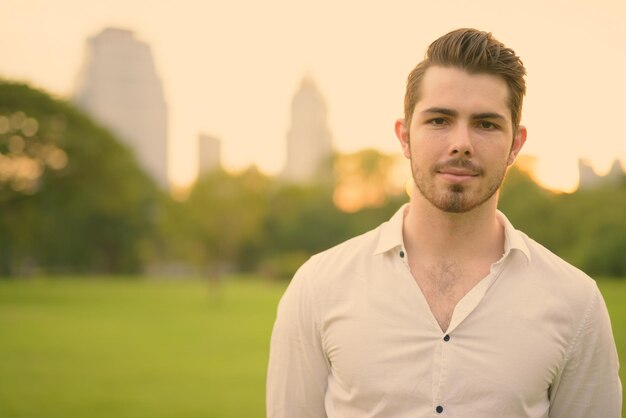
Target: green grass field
column 148, row 348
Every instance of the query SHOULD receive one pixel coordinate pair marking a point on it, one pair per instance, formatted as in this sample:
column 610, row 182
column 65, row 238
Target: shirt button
column 401, row 254
column 439, row 409
column 446, row 338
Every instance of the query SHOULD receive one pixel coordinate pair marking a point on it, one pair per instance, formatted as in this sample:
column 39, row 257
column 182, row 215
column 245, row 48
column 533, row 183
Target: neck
column 435, row 234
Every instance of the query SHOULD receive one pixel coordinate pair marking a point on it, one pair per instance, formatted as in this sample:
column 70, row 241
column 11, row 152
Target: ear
column 518, row 142
column 402, row 132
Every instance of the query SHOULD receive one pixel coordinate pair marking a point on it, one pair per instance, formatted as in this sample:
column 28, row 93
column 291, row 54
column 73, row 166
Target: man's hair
column 475, row 52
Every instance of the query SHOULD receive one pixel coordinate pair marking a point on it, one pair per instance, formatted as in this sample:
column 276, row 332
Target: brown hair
column 473, row 51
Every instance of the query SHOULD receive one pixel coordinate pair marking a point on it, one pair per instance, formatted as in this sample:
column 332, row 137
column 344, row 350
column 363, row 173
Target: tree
column 224, row 218
column 366, row 179
column 72, row 198
column 587, row 228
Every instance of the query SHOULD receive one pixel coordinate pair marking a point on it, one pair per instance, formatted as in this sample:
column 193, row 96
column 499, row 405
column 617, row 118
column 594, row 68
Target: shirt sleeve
column 298, row 370
column 588, row 384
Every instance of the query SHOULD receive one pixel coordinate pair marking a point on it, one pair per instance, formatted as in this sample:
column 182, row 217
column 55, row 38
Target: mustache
column 459, row 163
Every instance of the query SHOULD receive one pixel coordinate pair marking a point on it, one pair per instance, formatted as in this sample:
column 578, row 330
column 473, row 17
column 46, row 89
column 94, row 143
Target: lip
column 455, row 175
column 458, row 172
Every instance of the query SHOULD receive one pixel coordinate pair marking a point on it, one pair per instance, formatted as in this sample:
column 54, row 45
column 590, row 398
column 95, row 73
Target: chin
column 459, row 200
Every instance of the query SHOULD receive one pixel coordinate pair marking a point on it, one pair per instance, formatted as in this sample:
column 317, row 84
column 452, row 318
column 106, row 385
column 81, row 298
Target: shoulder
column 553, row 276
column 344, row 258
column 543, row 259
column 544, row 274
column 349, row 254
column 337, row 267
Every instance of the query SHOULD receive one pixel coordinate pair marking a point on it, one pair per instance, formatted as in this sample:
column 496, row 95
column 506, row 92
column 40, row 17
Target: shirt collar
column 513, row 238
column 391, row 235
column 391, row 232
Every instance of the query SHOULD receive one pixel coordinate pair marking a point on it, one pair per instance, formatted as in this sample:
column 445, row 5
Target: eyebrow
column 488, row 115
column 441, row 111
column 451, row 112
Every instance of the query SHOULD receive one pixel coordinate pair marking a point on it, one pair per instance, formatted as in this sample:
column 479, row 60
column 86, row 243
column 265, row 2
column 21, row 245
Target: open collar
column 390, row 236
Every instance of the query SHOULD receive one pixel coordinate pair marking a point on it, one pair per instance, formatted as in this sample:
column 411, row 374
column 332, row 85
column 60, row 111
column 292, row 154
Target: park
column 120, row 298
column 128, row 347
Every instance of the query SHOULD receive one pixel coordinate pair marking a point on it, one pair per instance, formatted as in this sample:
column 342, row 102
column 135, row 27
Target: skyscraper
column 588, row 179
column 118, row 86
column 309, row 142
column 209, row 153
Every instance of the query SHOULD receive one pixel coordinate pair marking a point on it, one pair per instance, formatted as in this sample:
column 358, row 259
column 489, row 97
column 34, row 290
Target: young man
column 446, row 309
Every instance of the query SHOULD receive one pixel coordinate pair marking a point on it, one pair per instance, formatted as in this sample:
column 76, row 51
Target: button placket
column 445, row 349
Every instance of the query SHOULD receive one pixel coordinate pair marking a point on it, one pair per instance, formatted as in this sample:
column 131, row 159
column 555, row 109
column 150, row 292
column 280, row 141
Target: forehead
column 456, row 89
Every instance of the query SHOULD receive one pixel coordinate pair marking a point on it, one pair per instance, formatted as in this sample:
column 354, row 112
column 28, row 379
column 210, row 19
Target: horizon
column 232, row 75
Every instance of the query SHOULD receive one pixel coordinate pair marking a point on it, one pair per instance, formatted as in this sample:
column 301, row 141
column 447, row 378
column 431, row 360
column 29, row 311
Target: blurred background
column 165, row 167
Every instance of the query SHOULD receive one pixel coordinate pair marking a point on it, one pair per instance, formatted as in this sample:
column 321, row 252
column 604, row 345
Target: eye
column 487, row 125
column 437, row 121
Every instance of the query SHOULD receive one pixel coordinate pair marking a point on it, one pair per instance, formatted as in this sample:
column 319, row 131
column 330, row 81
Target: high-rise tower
column 118, row 86
column 209, row 154
column 588, row 179
column 309, row 143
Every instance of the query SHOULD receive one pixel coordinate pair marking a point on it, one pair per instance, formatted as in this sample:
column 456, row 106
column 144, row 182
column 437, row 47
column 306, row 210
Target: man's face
column 460, row 141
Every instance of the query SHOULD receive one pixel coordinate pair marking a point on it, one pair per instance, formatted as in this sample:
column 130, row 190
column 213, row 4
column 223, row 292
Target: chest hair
column 444, row 283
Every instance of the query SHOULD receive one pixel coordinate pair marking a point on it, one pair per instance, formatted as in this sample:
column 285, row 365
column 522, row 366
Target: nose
column 461, row 142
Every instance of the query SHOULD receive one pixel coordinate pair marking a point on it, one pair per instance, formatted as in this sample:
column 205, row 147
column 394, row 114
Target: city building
column 309, row 142
column 588, row 179
column 119, row 87
column 209, row 154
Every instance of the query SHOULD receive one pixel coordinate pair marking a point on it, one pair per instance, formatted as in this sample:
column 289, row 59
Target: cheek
column 492, row 150
column 427, row 149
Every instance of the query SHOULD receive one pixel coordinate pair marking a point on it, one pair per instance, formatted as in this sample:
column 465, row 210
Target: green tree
column 223, row 222
column 531, row 208
column 586, row 228
column 599, row 219
column 72, row 198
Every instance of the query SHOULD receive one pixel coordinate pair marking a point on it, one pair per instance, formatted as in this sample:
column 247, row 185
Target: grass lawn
column 134, row 348
column 614, row 292
column 113, row 348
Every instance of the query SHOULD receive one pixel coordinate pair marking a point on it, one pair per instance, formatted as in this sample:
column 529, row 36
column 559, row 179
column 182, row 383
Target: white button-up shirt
column 355, row 338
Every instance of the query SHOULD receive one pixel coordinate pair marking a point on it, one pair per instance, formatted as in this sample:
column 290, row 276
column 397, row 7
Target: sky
column 230, row 68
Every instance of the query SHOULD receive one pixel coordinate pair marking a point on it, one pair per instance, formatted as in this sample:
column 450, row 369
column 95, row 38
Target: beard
column 457, row 197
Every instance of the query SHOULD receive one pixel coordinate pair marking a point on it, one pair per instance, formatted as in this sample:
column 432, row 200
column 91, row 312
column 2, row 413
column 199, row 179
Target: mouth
column 457, row 175
column 458, row 172
column 457, row 178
